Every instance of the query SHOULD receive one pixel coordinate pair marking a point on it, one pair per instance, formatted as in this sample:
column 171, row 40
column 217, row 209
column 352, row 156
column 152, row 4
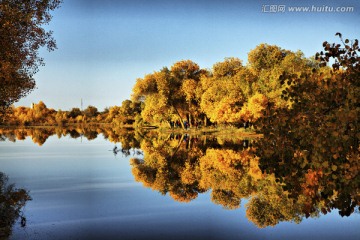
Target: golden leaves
column 189, row 87
column 229, row 67
column 334, row 167
column 254, row 108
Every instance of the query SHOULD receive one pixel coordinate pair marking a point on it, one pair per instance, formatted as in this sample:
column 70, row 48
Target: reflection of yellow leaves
column 188, row 175
column 229, row 170
column 254, row 170
column 334, row 196
column 348, row 177
column 353, row 156
column 304, row 163
column 325, row 164
column 334, row 167
column 181, row 195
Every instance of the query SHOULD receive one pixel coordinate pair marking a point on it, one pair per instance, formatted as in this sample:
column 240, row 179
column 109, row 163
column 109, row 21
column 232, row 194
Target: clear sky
column 105, row 45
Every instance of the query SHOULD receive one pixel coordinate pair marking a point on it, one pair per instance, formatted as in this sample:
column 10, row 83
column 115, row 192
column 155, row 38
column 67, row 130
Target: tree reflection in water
column 285, row 177
column 12, row 201
column 281, row 181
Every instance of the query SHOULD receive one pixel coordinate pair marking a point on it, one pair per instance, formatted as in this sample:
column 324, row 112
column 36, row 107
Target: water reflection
column 283, row 180
column 40, row 135
column 12, row 201
column 283, row 177
column 126, row 151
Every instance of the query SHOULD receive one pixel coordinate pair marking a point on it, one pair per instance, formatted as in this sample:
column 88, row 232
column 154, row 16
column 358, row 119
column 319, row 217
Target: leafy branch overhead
column 22, row 35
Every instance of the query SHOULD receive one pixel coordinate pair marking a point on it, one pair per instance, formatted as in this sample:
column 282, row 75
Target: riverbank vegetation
column 39, row 115
column 276, row 86
column 305, row 163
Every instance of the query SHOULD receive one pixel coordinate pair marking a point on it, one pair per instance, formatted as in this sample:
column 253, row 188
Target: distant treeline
column 39, row 115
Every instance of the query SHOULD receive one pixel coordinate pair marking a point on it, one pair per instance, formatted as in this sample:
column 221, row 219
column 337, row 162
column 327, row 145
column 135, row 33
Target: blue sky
column 105, row 45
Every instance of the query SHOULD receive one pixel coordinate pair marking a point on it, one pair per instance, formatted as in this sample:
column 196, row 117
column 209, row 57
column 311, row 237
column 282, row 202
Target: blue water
column 80, row 190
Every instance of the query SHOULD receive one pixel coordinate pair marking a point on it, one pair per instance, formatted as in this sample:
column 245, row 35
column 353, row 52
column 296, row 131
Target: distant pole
column 81, row 104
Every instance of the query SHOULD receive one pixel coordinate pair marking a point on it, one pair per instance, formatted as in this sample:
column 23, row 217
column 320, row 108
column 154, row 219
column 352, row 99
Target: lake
column 130, row 185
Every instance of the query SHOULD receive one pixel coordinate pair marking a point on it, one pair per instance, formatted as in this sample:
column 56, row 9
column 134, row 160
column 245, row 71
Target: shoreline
column 215, row 131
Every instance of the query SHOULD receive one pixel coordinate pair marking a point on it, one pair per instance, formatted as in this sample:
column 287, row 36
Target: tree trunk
column 180, row 118
column 190, row 120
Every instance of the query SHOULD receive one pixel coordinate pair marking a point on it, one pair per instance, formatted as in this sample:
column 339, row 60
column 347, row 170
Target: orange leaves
column 254, row 108
column 226, row 111
column 38, row 114
column 311, row 184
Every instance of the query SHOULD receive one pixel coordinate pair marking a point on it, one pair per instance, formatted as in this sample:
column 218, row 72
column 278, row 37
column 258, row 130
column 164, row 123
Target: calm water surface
column 82, row 190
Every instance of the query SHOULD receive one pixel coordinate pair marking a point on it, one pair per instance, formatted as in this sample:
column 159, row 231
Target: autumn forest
column 304, row 160
column 276, row 85
column 276, row 134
